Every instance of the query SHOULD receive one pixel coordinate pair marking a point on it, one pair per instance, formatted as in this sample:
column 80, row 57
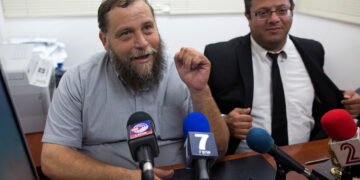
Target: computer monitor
column 15, row 158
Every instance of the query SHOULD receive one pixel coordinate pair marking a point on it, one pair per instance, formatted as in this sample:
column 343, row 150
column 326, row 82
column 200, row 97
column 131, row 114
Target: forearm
column 203, row 102
column 61, row 162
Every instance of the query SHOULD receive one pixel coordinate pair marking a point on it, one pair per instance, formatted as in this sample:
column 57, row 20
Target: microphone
column 142, row 142
column 339, row 125
column 260, row 141
column 200, row 146
column 345, row 141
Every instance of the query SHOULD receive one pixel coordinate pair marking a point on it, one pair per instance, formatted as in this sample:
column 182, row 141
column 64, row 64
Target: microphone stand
column 146, row 160
column 202, row 169
column 280, row 171
column 350, row 171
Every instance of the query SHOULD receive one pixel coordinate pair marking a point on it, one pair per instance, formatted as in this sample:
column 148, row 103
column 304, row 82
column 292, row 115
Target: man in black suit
column 242, row 74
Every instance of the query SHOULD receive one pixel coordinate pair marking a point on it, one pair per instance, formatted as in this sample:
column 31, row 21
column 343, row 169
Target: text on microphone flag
column 140, row 129
column 347, row 152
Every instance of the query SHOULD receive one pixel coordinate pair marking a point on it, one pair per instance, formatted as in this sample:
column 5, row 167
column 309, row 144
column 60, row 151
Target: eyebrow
column 120, row 31
column 148, row 22
column 277, row 7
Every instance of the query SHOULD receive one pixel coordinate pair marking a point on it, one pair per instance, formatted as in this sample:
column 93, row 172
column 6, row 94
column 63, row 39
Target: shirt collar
column 262, row 52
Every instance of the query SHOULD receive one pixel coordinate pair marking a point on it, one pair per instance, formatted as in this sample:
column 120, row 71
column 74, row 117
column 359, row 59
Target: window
column 343, row 10
column 197, row 6
column 57, row 8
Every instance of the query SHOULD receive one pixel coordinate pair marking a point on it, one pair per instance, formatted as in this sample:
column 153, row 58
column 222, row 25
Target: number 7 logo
column 203, row 140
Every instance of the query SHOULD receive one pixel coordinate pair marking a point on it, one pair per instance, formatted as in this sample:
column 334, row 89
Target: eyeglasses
column 266, row 14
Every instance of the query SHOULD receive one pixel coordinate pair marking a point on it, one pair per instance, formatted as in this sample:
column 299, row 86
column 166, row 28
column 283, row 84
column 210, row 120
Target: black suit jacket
column 231, row 79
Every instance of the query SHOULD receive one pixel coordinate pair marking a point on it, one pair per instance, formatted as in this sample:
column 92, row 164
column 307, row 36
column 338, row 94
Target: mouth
column 142, row 59
column 273, row 29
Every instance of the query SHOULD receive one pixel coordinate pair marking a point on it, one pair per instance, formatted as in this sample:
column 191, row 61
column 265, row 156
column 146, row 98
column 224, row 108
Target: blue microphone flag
column 200, row 145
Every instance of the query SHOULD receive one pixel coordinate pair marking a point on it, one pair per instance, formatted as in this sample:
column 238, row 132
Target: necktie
column 278, row 114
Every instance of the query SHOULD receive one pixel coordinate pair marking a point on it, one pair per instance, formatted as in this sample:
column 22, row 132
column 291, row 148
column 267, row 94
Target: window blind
column 49, row 8
column 342, row 10
column 58, row 8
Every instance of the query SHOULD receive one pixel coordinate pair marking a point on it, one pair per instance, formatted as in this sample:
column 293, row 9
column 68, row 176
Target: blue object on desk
column 59, row 72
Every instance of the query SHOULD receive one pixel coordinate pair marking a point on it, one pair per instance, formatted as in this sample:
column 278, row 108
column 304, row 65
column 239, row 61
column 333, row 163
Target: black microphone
column 200, row 146
column 260, row 141
column 142, row 142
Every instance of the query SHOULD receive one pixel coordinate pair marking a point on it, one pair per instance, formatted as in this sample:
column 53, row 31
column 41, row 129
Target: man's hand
column 193, row 68
column 351, row 103
column 161, row 173
column 239, row 122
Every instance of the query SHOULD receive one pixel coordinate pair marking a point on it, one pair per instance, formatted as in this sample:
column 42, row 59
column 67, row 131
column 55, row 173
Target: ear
column 103, row 40
column 292, row 10
column 248, row 17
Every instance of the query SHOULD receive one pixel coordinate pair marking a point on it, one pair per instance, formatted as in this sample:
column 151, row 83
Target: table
column 300, row 152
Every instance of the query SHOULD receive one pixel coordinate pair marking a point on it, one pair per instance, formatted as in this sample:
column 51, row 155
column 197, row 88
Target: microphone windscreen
column 338, row 124
column 195, row 122
column 259, row 140
column 138, row 117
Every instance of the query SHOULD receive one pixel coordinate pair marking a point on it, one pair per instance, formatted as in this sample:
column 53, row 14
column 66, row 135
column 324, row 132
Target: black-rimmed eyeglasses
column 266, row 14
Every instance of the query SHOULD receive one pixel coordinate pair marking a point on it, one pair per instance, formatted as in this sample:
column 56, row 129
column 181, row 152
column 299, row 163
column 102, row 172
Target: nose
column 274, row 17
column 140, row 41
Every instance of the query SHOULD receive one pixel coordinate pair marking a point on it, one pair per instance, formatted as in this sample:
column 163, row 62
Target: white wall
column 1, row 22
column 342, row 47
column 80, row 34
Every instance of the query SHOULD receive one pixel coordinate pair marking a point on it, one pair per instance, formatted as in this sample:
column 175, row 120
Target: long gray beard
column 135, row 80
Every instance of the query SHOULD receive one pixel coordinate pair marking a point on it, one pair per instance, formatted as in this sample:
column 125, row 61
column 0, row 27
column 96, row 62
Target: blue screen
column 15, row 161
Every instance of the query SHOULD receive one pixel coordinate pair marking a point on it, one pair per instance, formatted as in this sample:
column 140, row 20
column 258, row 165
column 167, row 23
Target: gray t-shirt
column 91, row 107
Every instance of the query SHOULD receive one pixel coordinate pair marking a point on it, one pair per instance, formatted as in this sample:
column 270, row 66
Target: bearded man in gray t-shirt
column 85, row 134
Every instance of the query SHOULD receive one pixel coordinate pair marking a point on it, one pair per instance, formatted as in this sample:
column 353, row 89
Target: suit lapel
column 244, row 59
column 326, row 92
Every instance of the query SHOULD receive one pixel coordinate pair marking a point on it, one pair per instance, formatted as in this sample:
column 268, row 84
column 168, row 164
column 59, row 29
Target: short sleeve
column 64, row 123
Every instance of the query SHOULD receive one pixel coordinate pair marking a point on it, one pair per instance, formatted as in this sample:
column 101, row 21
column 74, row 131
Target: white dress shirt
column 298, row 89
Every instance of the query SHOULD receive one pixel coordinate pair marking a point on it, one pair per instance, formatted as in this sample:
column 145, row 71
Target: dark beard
column 135, row 80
